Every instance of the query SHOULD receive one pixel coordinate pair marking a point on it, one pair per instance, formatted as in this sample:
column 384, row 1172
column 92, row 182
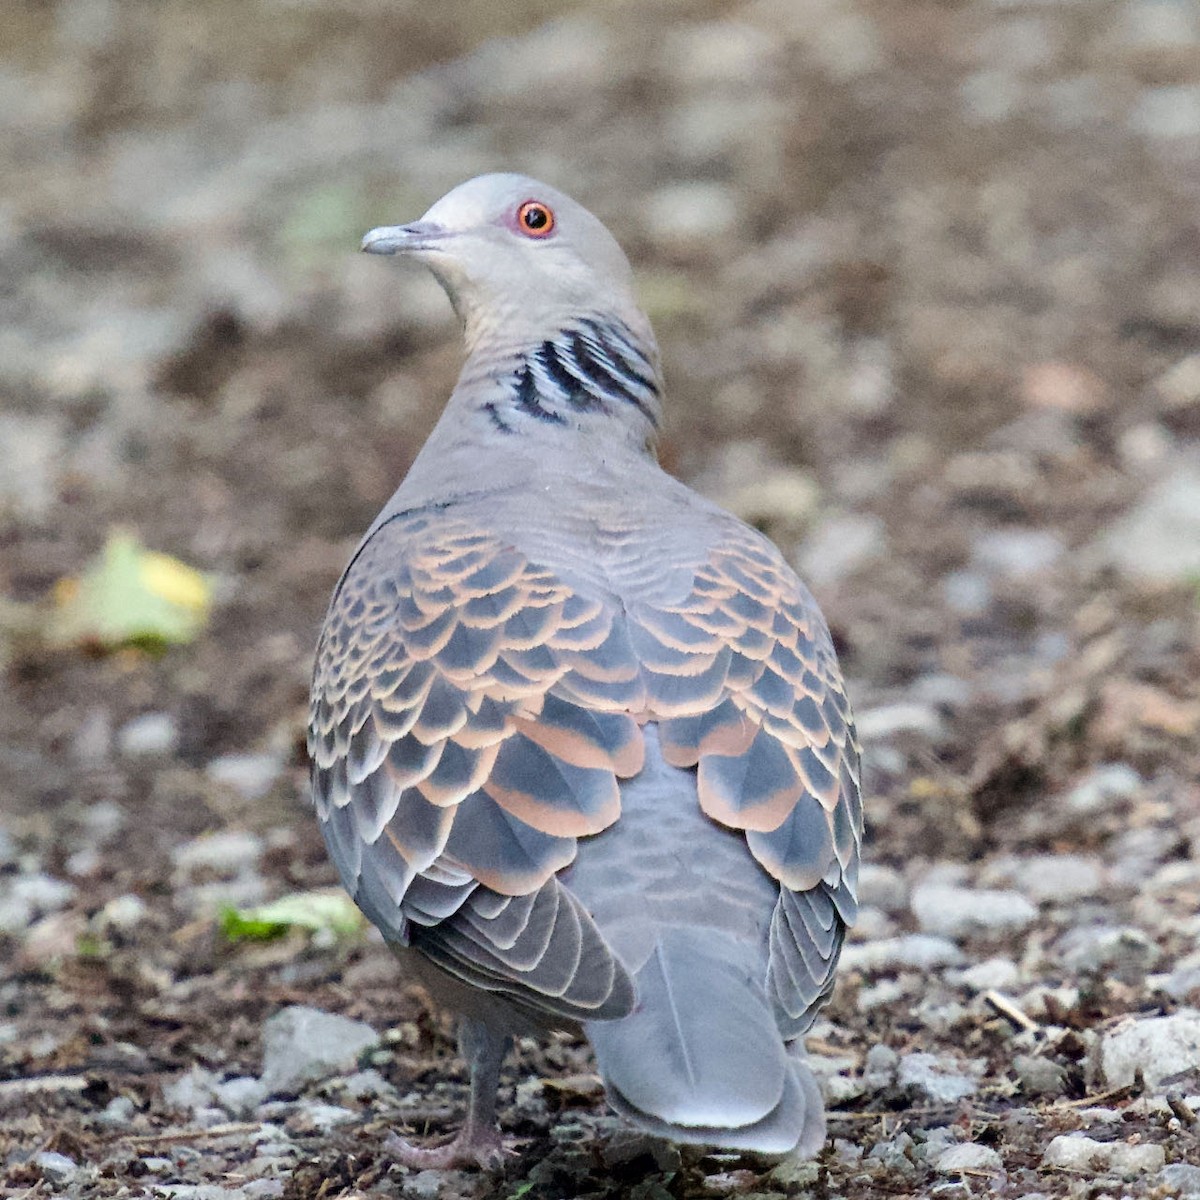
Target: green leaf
column 130, row 596
column 323, row 912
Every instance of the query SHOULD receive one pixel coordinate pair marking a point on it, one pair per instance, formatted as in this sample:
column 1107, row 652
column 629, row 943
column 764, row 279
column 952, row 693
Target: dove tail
column 701, row 1059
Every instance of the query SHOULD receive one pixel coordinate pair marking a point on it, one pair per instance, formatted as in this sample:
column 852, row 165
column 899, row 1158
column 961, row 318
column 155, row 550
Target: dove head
column 519, row 260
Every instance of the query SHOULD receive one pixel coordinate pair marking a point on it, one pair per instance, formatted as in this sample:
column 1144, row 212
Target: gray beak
column 403, row 239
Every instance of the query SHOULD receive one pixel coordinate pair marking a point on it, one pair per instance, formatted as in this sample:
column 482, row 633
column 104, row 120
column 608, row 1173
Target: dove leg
column 477, row 1143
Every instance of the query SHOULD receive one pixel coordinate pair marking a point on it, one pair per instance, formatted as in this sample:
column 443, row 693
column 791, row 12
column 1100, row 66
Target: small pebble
column 190, row 1091
column 241, row 1095
column 424, row 1185
column 840, row 546
column 322, row 1117
column 968, row 593
column 122, row 913
column 31, row 896
column 56, row 1168
column 967, row 1157
column 1180, row 1179
column 1118, row 950
column 687, row 216
column 958, row 912
column 879, row 1068
column 1017, row 553
column 1159, row 1047
column 912, row 950
column 250, row 775
column 1103, row 785
column 934, row 1077
column 228, row 853
column 152, row 735
column 368, row 1085
column 302, row 1044
column 267, row 1189
column 882, row 887
column 1168, row 113
column 1058, row 878
column 1039, row 1076
column 1075, row 1152
column 117, row 1113
column 902, row 717
column 996, row 974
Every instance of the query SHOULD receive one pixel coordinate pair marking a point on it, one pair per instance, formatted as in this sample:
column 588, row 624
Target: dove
column 580, row 744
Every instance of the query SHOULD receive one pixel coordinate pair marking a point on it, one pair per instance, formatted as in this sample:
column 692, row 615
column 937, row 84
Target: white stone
column 251, row 775
column 959, row 912
column 943, row 690
column 781, row 496
column 935, row 1078
column 1180, row 384
column 191, row 1091
column 29, row 897
column 1075, row 1152
column 967, row 1157
column 29, row 467
column 241, row 1095
column 1158, row 25
column 840, row 546
column 989, row 96
column 149, row 736
column 991, row 974
column 122, row 913
column 1058, row 877
column 902, row 717
column 715, row 54
column 327, row 1116
column 1100, row 787
column 911, row 950
column 1121, row 950
column 56, row 1168
column 1158, row 540
column 884, row 994
column 879, row 1067
column 1159, row 1047
column 1017, row 553
column 968, row 593
column 228, row 853
column 301, row 1044
column 268, row 1189
column 117, row 1113
column 882, row 887
column 1168, row 113
column 684, row 216
column 369, row 1084
column 1180, row 1179
column 1039, row 1076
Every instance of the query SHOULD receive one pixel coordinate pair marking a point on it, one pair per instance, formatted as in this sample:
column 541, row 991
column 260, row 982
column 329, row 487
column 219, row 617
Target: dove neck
column 593, row 374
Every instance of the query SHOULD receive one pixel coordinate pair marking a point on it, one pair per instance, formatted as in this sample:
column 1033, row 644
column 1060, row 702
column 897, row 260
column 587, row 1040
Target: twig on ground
column 1008, row 1009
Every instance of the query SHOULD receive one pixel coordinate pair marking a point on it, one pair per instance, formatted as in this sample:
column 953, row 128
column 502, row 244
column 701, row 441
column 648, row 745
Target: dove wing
column 473, row 713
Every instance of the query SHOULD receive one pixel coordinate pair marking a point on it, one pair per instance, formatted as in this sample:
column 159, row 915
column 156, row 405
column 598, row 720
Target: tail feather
column 701, row 1059
column 795, row 1126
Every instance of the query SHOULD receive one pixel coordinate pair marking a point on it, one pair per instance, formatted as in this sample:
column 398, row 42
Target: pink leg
column 477, row 1143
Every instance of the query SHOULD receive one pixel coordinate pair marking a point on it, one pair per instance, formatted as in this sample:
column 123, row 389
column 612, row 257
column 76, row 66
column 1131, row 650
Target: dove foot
column 477, row 1144
column 481, row 1149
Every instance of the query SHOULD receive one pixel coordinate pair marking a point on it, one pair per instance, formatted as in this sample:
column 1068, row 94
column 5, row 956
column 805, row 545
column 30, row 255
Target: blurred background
column 926, row 279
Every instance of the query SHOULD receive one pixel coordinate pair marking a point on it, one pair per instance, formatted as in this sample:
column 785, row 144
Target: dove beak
column 404, row 239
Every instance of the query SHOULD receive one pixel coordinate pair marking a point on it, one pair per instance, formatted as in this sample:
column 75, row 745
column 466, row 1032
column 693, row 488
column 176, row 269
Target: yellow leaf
column 130, row 596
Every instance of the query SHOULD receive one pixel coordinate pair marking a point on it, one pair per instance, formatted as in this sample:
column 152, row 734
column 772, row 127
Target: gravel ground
column 926, row 275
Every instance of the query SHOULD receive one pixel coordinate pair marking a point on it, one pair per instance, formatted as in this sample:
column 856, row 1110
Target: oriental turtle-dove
column 580, row 744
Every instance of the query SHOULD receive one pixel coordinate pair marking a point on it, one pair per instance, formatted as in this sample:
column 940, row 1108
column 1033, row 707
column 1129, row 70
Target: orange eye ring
column 535, row 219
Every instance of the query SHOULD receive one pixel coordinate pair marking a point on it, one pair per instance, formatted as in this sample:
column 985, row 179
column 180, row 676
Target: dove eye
column 535, row 219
